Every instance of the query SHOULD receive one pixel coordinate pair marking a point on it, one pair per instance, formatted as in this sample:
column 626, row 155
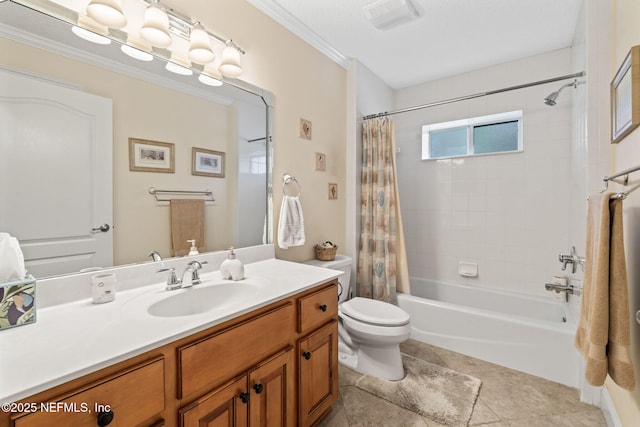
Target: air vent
column 387, row 14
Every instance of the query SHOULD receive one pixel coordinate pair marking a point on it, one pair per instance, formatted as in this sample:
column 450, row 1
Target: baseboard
column 608, row 409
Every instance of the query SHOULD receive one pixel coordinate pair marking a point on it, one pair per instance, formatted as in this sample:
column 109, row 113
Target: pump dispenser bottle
column 232, row 268
column 194, row 249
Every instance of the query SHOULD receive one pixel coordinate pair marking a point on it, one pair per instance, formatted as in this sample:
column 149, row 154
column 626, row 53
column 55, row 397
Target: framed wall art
column 625, row 97
column 207, row 162
column 151, row 156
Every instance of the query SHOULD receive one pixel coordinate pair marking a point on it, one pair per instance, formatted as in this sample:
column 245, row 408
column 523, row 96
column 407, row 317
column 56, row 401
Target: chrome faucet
column 570, row 289
column 572, row 259
column 193, row 267
column 155, row 256
column 174, row 283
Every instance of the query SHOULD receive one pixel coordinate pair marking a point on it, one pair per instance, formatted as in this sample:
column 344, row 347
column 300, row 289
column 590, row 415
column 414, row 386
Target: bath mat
column 433, row 391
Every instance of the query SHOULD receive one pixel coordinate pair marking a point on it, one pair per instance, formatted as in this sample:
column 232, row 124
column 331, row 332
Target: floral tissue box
column 17, row 303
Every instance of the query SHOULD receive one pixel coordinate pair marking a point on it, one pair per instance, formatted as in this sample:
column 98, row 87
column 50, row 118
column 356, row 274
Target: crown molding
column 272, row 9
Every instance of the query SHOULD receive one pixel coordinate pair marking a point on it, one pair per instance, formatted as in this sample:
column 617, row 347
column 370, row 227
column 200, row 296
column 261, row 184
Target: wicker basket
column 326, row 254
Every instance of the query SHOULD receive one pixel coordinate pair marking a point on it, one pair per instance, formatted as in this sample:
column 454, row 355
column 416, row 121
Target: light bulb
column 200, row 46
column 107, row 12
column 230, row 64
column 155, row 29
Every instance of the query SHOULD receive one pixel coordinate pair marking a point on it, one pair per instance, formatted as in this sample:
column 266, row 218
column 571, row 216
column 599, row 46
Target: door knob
column 103, row 228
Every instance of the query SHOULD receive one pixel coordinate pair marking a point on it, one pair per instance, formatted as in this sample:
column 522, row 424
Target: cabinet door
column 318, row 362
column 272, row 388
column 224, row 406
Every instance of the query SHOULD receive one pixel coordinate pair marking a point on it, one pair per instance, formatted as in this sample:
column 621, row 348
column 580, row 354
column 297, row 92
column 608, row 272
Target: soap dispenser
column 193, row 250
column 232, row 268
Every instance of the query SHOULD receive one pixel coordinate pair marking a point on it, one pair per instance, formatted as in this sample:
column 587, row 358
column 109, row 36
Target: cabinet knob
column 323, row 307
column 258, row 388
column 244, row 397
column 105, row 418
column 306, row 355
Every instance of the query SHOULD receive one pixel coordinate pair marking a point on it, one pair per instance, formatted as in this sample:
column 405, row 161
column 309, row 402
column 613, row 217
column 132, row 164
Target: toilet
column 369, row 331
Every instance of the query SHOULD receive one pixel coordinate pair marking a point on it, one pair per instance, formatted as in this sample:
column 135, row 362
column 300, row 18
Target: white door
column 55, row 174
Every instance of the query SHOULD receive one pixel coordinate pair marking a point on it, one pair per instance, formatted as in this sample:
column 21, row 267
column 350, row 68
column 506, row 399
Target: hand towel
column 11, row 259
column 187, row 223
column 291, row 223
column 603, row 336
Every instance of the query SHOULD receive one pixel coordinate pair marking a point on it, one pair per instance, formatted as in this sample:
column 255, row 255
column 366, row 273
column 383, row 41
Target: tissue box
column 17, row 303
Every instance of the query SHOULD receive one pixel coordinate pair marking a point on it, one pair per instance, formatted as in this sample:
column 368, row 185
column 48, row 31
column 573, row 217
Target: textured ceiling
column 451, row 36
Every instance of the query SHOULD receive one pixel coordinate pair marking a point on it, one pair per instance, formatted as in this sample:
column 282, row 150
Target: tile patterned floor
column 507, row 398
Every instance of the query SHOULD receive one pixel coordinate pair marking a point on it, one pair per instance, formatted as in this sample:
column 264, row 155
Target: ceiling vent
column 387, row 14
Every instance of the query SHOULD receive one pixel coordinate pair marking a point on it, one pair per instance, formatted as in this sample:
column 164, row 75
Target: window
column 497, row 133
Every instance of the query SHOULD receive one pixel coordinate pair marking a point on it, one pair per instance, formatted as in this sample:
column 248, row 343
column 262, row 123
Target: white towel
column 291, row 223
column 11, row 259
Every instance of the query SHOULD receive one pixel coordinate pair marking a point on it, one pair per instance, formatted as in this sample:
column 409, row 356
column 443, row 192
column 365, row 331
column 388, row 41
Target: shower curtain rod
column 475, row 95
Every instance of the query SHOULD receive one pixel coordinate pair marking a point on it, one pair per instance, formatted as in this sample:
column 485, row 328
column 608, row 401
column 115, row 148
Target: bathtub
column 528, row 333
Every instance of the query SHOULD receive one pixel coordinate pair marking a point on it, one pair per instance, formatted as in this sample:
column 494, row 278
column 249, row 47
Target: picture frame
column 207, row 162
column 625, row 97
column 151, row 156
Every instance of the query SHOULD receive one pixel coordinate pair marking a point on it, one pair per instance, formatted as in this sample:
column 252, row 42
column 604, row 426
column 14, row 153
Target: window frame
column 470, row 124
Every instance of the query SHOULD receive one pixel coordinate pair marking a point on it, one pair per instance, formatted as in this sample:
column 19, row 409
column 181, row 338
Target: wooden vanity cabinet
column 262, row 397
column 275, row 366
column 318, row 354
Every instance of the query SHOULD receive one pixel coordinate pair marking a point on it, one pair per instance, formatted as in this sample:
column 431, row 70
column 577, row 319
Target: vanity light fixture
column 90, row 35
column 160, row 25
column 155, row 28
column 107, row 12
column 230, row 65
column 200, row 50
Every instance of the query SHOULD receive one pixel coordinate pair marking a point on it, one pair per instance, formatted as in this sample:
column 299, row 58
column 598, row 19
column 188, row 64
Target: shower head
column 551, row 99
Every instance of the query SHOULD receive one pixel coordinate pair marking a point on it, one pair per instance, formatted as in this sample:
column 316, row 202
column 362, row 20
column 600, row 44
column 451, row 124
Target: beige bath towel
column 603, row 335
column 187, row 223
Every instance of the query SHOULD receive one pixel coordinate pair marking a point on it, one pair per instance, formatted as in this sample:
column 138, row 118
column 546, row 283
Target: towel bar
column 206, row 193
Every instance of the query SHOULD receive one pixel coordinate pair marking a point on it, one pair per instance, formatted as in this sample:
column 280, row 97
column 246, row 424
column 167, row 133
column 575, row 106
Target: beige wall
column 625, row 15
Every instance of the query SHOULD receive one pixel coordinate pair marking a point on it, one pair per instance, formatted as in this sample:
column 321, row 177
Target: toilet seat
column 374, row 312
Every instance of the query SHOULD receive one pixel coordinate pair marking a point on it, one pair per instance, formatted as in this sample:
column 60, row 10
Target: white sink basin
column 203, row 298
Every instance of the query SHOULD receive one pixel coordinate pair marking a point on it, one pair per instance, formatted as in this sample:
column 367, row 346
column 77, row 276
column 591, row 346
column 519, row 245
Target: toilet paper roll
column 103, row 288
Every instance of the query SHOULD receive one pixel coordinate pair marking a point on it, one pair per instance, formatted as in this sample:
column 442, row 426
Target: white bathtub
column 527, row 333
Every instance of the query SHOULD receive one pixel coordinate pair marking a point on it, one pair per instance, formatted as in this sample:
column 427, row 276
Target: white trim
column 609, row 410
column 293, row 24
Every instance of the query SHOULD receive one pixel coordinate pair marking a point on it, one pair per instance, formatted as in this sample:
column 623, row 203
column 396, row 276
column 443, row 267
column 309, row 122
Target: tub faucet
column 572, row 259
column 570, row 289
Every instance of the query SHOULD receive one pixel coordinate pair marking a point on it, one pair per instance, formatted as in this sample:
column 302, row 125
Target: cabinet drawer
column 317, row 308
column 210, row 361
column 133, row 396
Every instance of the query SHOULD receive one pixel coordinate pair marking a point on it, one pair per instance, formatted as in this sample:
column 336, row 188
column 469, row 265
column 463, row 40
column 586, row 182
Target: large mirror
column 51, row 195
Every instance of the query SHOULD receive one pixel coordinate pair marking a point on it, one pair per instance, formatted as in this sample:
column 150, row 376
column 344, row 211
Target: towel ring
column 288, row 179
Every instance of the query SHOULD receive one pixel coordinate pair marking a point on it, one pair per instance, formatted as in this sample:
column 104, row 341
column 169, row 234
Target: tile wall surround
column 509, row 212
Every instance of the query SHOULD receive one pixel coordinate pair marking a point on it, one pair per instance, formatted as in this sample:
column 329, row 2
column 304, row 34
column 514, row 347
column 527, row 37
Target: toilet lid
column 374, row 312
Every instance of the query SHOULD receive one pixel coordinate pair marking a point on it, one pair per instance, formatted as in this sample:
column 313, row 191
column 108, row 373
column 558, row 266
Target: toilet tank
column 342, row 263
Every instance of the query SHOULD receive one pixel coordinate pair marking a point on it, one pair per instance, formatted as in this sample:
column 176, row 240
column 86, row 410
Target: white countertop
column 71, row 340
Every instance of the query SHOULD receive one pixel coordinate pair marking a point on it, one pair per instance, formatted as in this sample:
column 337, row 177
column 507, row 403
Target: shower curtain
column 382, row 264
